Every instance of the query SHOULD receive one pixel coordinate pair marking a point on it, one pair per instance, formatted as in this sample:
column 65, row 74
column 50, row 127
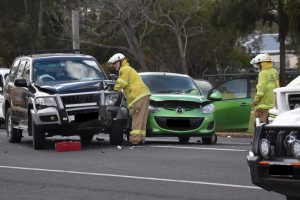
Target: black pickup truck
column 62, row 94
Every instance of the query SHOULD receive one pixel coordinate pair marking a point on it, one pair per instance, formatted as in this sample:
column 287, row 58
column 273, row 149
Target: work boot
column 142, row 142
column 129, row 144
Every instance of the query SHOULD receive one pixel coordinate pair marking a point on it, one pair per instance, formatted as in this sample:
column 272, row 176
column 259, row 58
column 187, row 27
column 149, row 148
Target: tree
column 242, row 16
column 177, row 18
column 275, row 11
column 120, row 22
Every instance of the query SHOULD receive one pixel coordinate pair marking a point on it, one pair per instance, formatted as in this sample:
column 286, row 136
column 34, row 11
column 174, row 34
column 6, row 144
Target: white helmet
column 261, row 58
column 115, row 58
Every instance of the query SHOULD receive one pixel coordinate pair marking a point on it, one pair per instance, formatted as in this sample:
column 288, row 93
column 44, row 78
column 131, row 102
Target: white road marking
column 130, row 177
column 198, row 148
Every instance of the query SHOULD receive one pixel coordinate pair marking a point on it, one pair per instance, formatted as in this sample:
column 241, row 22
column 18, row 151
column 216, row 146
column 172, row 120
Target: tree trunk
column 182, row 55
column 282, row 59
column 134, row 47
column 283, row 28
column 40, row 23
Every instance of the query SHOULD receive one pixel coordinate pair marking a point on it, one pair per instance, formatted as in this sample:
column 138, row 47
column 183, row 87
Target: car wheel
column 210, row 140
column 116, row 136
column 183, row 140
column 13, row 135
column 86, row 138
column 38, row 136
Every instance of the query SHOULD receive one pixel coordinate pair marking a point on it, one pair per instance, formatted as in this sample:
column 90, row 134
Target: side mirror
column 113, row 77
column 214, row 95
column 20, row 82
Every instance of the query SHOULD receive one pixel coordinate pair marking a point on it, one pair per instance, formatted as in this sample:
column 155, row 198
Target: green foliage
column 222, row 25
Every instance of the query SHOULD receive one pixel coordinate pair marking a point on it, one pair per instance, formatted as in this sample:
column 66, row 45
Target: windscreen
column 171, row 84
column 66, row 70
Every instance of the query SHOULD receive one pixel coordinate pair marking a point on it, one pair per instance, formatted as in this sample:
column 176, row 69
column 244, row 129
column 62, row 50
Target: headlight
column 265, row 148
column 210, row 108
column 153, row 109
column 296, row 149
column 111, row 99
column 289, row 139
column 45, row 102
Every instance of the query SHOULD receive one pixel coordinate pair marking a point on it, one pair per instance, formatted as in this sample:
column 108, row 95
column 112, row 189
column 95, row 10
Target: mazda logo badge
column 179, row 110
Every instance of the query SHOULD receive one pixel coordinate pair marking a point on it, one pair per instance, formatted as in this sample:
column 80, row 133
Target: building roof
column 264, row 43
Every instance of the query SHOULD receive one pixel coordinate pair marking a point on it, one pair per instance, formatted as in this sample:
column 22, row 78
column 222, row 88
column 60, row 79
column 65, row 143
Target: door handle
column 245, row 104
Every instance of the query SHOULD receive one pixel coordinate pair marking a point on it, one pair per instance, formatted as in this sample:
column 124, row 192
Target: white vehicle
column 3, row 74
column 275, row 156
column 286, row 98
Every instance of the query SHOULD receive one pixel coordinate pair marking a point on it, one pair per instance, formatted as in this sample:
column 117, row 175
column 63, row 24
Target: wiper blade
column 171, row 91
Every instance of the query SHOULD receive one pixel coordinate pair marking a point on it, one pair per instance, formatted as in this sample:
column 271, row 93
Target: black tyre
column 210, row 140
column 183, row 140
column 38, row 136
column 13, row 135
column 86, row 138
column 116, row 136
column 292, row 198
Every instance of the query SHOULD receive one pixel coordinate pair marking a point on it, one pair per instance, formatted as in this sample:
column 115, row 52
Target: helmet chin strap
column 259, row 66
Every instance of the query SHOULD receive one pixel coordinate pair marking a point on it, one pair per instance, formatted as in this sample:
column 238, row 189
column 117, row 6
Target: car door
column 9, row 89
column 17, row 98
column 23, row 92
column 233, row 111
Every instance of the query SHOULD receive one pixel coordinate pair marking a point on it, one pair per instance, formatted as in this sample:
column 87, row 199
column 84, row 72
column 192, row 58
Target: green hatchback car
column 179, row 108
column 182, row 107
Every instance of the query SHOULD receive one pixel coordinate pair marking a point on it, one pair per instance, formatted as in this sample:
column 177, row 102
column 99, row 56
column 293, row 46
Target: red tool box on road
column 67, row 146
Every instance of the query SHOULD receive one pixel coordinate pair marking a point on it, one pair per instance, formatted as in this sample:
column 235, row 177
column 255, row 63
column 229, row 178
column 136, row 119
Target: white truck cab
column 286, row 98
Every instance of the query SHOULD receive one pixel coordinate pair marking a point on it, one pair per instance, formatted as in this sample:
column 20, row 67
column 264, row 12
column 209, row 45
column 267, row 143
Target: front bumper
column 170, row 124
column 281, row 176
column 58, row 122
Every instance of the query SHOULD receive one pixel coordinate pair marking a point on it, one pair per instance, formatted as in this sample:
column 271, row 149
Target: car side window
column 26, row 71
column 235, row 89
column 14, row 70
column 204, row 86
column 21, row 68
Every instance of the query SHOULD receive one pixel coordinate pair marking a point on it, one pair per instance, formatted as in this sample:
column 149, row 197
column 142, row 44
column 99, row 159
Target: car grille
column 80, row 99
column 81, row 108
column 280, row 140
column 182, row 124
column 294, row 101
column 187, row 105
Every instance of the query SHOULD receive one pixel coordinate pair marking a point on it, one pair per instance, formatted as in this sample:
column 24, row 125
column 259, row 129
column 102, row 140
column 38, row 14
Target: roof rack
column 32, row 52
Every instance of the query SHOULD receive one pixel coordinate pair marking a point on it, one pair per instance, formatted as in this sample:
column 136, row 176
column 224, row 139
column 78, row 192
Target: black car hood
column 69, row 87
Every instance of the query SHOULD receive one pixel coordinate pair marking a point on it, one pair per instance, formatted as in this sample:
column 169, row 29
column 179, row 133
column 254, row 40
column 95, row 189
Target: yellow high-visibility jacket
column 131, row 83
column 268, row 80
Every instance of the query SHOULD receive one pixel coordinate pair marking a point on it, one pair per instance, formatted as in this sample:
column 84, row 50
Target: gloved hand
column 111, row 85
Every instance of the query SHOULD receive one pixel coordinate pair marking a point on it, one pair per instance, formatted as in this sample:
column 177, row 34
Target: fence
column 217, row 79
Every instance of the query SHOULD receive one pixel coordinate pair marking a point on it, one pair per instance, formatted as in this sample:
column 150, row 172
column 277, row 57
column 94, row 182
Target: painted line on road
column 130, row 177
column 197, row 148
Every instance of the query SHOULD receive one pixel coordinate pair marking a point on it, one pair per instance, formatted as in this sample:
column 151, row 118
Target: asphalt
column 161, row 169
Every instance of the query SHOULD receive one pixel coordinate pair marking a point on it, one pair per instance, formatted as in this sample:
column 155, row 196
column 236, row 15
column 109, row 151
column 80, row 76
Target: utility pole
column 75, row 26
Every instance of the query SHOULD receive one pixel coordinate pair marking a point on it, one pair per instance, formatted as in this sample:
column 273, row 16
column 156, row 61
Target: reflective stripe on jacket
column 268, row 80
column 131, row 83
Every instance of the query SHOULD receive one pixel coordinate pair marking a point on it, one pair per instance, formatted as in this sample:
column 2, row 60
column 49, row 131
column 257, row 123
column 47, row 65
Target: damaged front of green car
column 178, row 108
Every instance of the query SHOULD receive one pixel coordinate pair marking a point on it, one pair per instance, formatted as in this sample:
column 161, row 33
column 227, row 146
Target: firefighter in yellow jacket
column 268, row 80
column 137, row 95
